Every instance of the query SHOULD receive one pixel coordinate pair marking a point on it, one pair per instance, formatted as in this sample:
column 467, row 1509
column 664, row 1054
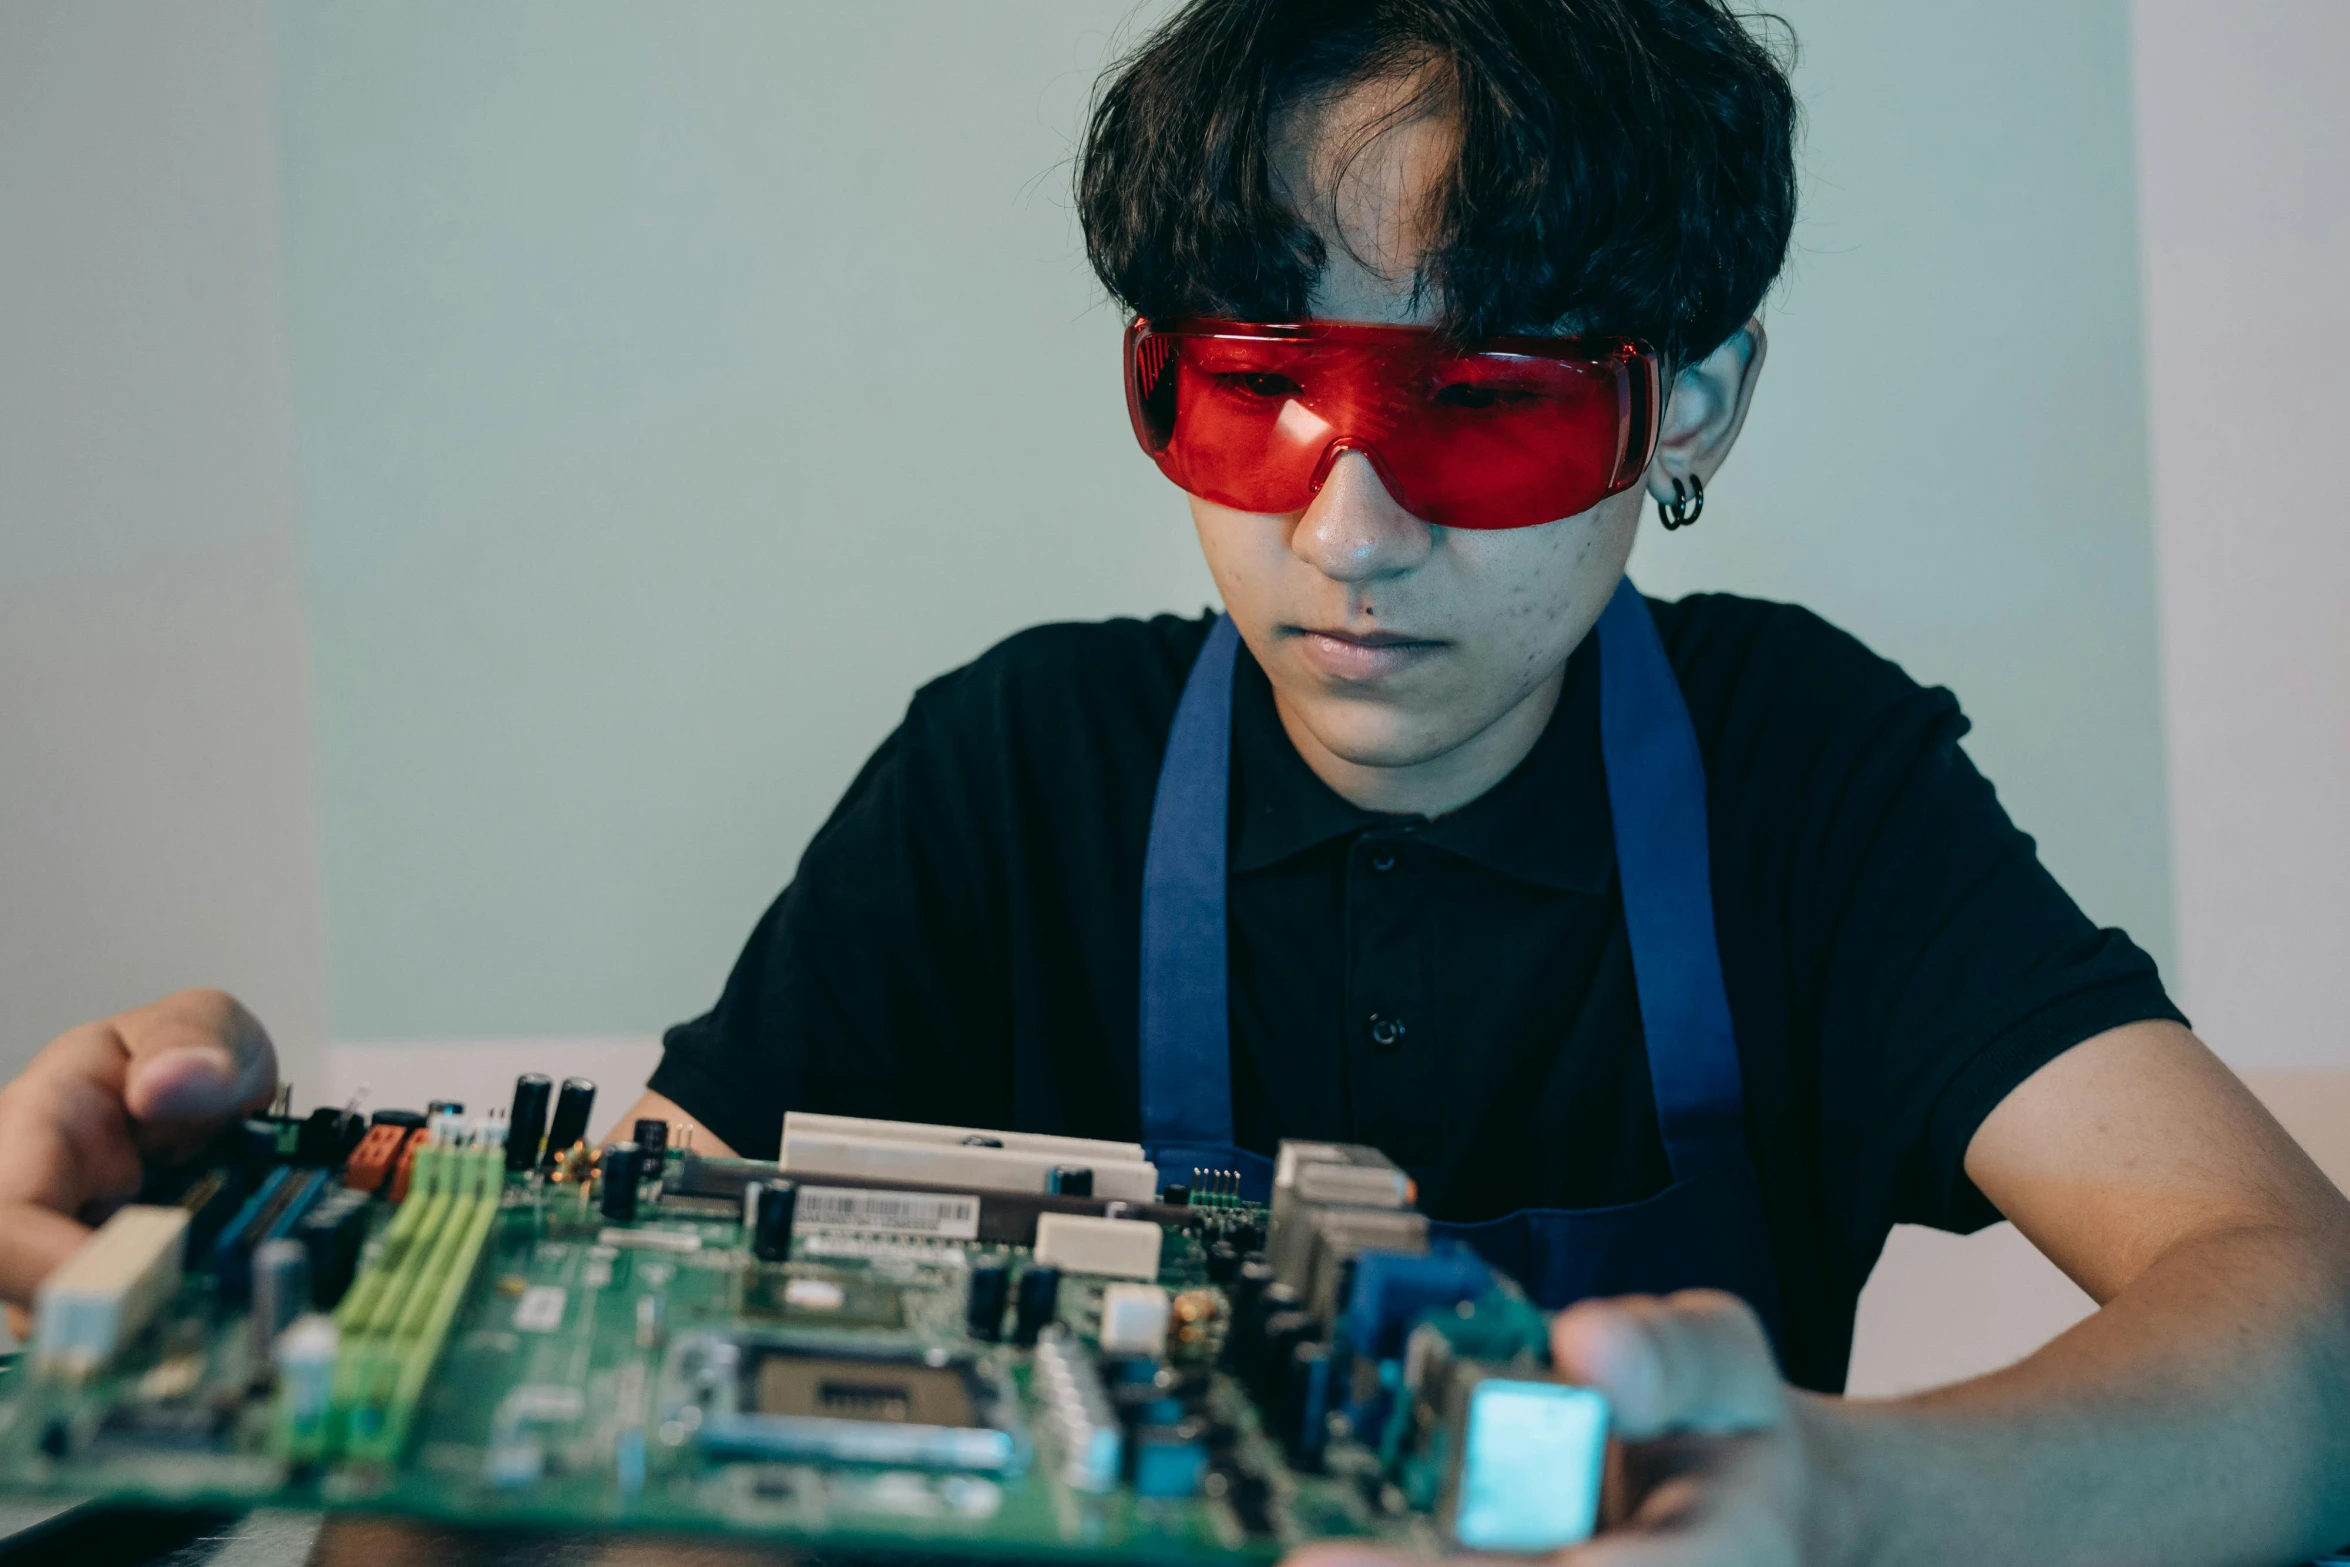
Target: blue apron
column 1706, row 1228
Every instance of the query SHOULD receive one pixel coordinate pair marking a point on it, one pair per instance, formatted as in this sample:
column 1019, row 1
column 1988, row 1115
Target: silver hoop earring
column 1686, row 506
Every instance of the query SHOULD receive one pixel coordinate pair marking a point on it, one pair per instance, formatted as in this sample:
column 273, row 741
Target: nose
column 1353, row 530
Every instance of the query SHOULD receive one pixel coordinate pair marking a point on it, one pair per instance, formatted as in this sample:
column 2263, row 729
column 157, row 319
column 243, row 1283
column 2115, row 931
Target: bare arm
column 2201, row 1416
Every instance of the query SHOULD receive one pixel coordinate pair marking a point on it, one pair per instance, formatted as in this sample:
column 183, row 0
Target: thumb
column 1695, row 1361
column 190, row 1061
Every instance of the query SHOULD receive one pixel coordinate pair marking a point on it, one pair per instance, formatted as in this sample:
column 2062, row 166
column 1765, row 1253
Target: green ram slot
column 419, row 1357
column 373, row 1296
column 363, row 1379
column 405, row 1356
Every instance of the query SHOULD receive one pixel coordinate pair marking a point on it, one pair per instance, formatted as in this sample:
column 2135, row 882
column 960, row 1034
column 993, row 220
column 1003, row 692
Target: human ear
column 1705, row 408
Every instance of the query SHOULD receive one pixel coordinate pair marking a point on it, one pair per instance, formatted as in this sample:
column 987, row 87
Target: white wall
column 2244, row 170
column 2244, row 138
column 157, row 817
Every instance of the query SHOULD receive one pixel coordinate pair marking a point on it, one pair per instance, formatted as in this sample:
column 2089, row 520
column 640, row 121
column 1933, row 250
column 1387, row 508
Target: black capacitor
column 333, row 1232
column 1069, row 1180
column 327, row 1136
column 771, row 1219
column 1223, row 1262
column 526, row 1124
column 453, row 1106
column 571, row 1116
column 1247, row 1345
column 622, row 1169
column 1040, row 1297
column 409, row 1118
column 1305, row 1404
column 653, row 1137
column 1175, row 1195
column 991, row 1291
column 1284, row 1332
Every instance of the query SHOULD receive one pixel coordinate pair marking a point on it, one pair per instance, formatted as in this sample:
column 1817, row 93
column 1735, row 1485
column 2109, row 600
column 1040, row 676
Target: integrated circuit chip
column 840, row 1388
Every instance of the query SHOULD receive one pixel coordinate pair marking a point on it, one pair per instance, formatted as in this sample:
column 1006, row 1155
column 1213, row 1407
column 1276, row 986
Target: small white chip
column 1134, row 1320
column 814, row 1295
column 1081, row 1243
column 540, row 1310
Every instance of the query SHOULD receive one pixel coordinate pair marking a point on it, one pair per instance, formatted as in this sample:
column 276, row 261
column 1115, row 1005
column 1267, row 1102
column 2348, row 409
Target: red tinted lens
column 1524, row 431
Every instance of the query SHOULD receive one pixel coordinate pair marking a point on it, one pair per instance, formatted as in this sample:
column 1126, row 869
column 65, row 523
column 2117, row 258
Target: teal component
column 1531, row 1463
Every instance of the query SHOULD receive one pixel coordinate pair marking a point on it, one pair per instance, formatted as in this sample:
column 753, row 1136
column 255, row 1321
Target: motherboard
column 896, row 1337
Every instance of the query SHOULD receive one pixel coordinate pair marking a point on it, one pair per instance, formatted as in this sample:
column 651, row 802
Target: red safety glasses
column 1522, row 430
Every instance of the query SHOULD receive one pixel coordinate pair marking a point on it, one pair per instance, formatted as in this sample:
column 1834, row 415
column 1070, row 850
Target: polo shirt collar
column 1546, row 822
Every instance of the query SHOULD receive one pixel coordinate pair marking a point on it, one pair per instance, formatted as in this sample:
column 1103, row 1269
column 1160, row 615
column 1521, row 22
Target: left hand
column 1717, row 1467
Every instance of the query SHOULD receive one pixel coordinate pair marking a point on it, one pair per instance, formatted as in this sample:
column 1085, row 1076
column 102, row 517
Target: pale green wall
column 620, row 338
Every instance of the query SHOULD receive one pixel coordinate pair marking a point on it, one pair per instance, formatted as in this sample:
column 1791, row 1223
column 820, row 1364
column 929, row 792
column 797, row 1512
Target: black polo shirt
column 960, row 943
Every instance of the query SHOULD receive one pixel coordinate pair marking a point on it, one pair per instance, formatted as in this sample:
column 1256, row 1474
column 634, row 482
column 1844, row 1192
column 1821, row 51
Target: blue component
column 1531, row 1461
column 269, row 1214
column 1168, row 1462
column 1392, row 1289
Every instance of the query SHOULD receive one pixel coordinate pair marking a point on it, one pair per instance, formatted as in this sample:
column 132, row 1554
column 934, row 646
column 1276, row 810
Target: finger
column 38, row 1240
column 65, row 1153
column 1695, row 1361
column 194, row 1057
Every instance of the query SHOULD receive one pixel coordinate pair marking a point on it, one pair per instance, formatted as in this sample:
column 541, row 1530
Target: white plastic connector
column 1067, row 1150
column 1134, row 1320
column 1081, row 1243
column 101, row 1296
column 879, row 1160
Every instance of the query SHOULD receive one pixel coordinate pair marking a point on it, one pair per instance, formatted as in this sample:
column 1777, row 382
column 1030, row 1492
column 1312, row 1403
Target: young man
column 1676, row 949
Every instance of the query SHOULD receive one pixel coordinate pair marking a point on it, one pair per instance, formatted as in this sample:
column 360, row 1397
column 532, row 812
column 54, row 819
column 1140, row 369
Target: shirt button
column 1386, row 1032
column 1383, row 861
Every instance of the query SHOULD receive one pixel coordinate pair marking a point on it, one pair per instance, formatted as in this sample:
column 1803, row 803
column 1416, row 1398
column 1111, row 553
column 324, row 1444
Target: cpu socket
column 771, row 1398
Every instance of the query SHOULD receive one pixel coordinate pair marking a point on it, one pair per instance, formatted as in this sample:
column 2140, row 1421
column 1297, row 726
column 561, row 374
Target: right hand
column 79, row 1123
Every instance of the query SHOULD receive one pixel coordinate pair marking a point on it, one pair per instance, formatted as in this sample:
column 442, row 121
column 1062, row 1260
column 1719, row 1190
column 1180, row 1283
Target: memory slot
column 397, row 1316
column 376, row 1302
column 269, row 1214
column 447, row 1290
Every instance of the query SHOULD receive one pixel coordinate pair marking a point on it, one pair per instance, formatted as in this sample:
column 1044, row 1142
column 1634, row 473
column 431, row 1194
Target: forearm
column 2201, row 1417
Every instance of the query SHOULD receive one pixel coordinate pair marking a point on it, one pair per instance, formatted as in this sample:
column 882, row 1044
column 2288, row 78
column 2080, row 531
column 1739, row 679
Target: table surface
column 63, row 1535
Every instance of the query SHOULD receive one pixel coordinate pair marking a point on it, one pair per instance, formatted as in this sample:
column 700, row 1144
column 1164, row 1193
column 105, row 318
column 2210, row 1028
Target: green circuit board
column 508, row 1352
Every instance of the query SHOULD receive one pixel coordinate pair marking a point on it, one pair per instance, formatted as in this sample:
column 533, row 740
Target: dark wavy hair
column 1625, row 166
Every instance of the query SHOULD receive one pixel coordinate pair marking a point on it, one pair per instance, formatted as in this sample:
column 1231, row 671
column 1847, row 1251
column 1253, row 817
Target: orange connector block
column 405, row 1168
column 377, row 1156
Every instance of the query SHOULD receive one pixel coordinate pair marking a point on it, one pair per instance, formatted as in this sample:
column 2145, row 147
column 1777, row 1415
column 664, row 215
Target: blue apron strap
column 1186, row 1021
column 1656, row 793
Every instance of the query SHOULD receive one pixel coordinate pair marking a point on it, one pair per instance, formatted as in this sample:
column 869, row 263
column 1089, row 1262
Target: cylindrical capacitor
column 333, row 1232
column 413, row 1118
column 281, row 1291
column 653, row 1137
column 983, row 1311
column 526, row 1125
column 621, row 1168
column 452, row 1106
column 771, row 1220
column 571, row 1116
column 1040, row 1297
column 1069, row 1180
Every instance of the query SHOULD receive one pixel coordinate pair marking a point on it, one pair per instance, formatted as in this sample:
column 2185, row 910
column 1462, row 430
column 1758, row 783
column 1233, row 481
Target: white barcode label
column 947, row 1217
